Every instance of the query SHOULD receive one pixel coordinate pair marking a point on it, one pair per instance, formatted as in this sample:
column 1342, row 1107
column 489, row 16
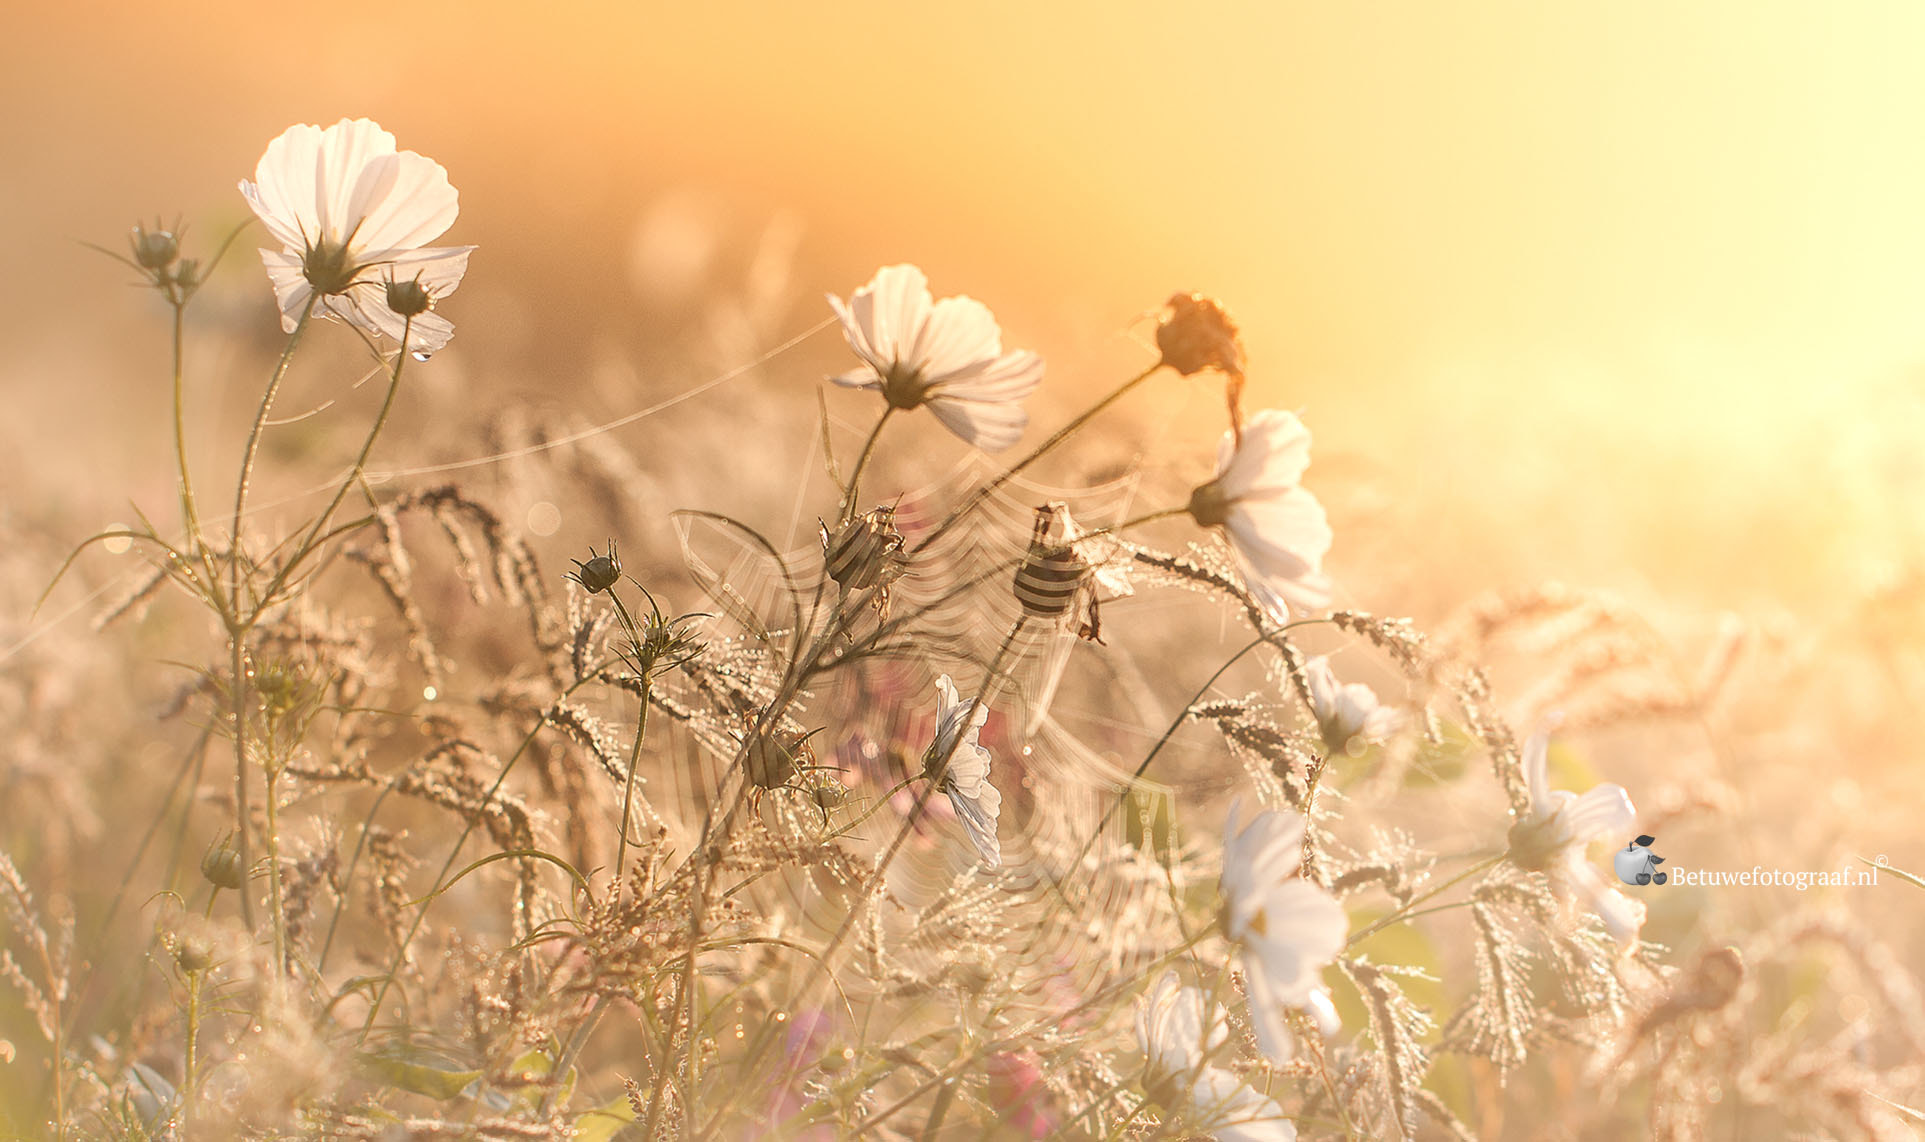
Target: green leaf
column 604, row 1122
column 413, row 1075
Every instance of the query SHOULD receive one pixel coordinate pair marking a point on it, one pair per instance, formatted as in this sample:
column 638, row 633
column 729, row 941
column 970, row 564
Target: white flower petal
column 946, row 354
column 1227, row 1107
column 1274, row 454
column 1601, row 811
column 990, row 427
column 958, row 333
column 347, row 186
column 404, row 202
column 290, row 288
column 890, row 311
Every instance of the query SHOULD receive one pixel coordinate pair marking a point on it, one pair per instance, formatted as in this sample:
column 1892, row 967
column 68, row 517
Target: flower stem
column 253, row 448
column 188, row 514
column 239, row 626
column 315, row 530
column 635, row 751
column 272, row 842
column 1404, row 912
column 849, row 496
column 975, row 500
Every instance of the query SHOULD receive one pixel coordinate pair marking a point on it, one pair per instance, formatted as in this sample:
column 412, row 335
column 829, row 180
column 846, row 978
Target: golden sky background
column 1622, row 293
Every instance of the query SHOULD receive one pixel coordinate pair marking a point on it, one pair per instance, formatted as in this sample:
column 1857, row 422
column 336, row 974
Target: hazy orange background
column 1626, row 293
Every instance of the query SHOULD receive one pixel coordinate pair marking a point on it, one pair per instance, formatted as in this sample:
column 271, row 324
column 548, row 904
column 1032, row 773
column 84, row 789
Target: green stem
column 272, row 841
column 314, row 532
column 237, row 627
column 849, row 496
column 1404, row 912
column 189, row 1072
column 635, row 751
column 454, row 853
column 975, row 500
column 254, row 445
column 188, row 514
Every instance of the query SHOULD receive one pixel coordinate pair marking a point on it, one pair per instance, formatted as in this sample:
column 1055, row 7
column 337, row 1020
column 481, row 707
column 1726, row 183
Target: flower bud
column 600, row 572
column 221, row 865
column 187, row 274
column 773, row 757
column 865, row 552
column 154, row 249
column 1053, row 573
column 193, row 955
column 408, row 298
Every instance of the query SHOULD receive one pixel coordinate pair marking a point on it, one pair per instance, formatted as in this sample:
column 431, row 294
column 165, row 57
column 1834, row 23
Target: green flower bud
column 222, row 865
column 408, row 298
column 600, row 572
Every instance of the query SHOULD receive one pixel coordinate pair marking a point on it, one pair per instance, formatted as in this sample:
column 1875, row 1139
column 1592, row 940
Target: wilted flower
column 965, row 777
column 1347, row 714
column 1288, row 928
column 1068, row 572
column 1195, row 333
column 1552, row 838
column 1276, row 528
column 1177, row 1074
column 345, row 203
column 947, row 354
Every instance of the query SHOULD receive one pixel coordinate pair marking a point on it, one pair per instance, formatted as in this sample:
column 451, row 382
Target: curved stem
column 311, row 540
column 849, row 495
column 254, row 446
column 454, row 853
column 975, row 500
column 1406, row 911
column 188, row 514
column 237, row 627
column 635, row 751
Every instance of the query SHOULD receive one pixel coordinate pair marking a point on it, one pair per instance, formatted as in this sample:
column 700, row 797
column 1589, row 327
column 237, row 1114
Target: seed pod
column 1053, row 573
column 193, row 955
column 865, row 552
column 773, row 758
column 408, row 298
column 221, row 865
column 154, row 249
column 600, row 572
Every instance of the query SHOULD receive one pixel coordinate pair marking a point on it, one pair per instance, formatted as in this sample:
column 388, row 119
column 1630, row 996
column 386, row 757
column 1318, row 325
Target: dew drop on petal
column 430, row 693
column 420, row 354
column 117, row 544
column 544, row 518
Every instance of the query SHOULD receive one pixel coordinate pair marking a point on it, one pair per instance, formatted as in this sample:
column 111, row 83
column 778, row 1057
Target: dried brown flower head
column 1196, row 333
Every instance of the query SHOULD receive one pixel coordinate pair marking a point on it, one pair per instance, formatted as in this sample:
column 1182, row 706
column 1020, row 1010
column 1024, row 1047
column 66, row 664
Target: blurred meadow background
column 1617, row 311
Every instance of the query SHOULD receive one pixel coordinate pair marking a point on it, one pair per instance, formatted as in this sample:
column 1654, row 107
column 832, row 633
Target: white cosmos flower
column 1287, row 928
column 946, row 354
column 966, row 778
column 1276, row 528
column 1176, row 1048
column 352, row 215
column 1552, row 838
column 1346, row 713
